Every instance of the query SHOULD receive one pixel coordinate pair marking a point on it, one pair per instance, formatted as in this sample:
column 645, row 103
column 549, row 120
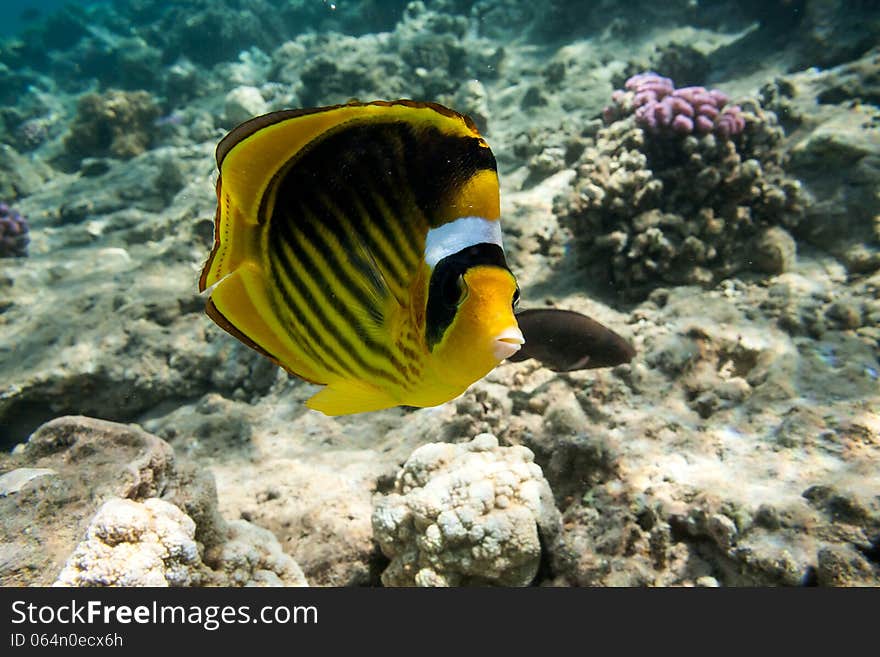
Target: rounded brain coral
column 152, row 543
column 465, row 515
column 135, row 544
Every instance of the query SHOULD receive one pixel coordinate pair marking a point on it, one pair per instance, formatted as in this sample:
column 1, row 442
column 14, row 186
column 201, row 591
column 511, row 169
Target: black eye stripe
column 442, row 302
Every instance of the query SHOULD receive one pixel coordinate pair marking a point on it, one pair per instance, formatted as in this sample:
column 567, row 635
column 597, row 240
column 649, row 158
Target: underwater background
column 730, row 233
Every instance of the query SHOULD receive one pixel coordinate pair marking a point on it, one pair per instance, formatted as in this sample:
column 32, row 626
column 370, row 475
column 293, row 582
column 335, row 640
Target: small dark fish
column 564, row 341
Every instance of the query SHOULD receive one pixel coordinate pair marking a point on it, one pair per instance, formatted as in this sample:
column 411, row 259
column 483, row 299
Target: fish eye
column 462, row 290
column 455, row 291
column 515, row 297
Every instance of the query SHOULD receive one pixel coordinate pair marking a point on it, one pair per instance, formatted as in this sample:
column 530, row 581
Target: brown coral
column 116, row 123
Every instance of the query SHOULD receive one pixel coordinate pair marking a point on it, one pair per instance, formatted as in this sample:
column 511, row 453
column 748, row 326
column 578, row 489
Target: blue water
column 15, row 15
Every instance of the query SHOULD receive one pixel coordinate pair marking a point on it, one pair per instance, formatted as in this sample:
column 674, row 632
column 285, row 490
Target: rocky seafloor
column 143, row 445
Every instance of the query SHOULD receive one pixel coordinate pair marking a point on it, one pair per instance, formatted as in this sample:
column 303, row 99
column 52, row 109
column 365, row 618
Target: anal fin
column 343, row 397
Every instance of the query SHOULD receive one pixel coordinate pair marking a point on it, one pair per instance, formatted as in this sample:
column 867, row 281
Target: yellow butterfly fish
column 359, row 247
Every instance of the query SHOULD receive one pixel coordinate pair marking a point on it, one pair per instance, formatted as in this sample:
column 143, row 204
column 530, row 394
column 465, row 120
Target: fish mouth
column 507, row 343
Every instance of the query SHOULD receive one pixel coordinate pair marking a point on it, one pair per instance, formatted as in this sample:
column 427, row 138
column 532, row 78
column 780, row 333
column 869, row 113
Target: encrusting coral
column 664, row 197
column 465, row 515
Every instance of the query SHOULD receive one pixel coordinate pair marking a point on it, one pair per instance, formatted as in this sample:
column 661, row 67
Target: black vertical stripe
column 435, row 164
column 350, row 241
column 386, row 158
column 313, row 312
column 363, row 197
column 308, row 231
column 402, row 171
column 346, row 201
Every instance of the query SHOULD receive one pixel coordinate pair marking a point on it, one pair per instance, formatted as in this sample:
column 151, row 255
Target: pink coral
column 13, row 233
column 660, row 108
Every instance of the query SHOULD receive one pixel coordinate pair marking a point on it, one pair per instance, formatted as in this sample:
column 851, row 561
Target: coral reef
column 465, row 515
column 115, row 123
column 129, row 543
column 20, row 175
column 652, row 207
column 243, row 103
column 130, row 44
column 682, row 62
column 319, row 508
column 557, row 19
column 32, row 133
column 835, row 150
column 652, row 518
column 738, row 448
column 14, row 238
column 428, row 55
column 805, row 33
column 152, row 543
column 679, row 61
column 775, row 251
column 35, row 119
column 148, row 517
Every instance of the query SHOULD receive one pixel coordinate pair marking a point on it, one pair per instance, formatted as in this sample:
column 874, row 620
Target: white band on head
column 459, row 234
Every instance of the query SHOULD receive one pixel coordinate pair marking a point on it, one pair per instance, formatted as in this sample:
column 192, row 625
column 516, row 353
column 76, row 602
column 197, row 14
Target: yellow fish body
column 359, row 247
